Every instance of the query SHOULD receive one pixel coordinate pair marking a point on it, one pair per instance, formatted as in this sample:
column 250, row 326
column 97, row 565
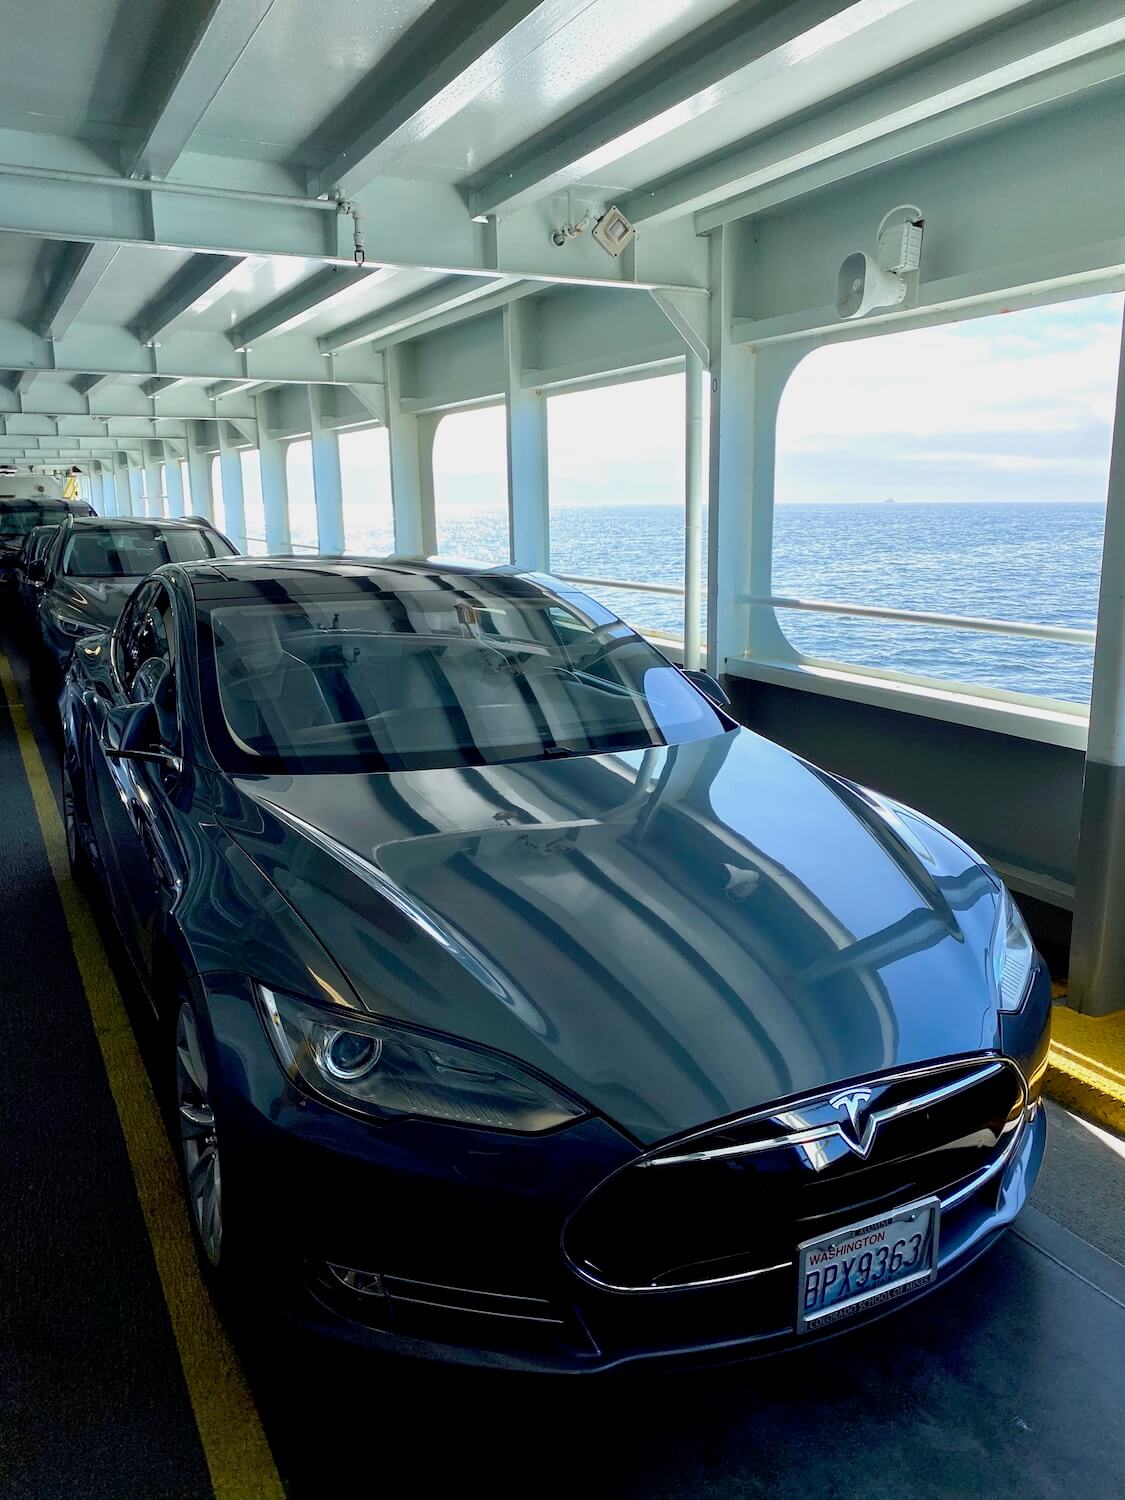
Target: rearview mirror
column 707, row 685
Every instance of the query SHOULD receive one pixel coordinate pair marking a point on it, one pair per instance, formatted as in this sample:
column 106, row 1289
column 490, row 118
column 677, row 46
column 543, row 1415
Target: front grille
column 736, row 1200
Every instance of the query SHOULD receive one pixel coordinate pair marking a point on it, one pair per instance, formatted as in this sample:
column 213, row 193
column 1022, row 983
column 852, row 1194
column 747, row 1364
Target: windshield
column 134, row 551
column 17, row 520
column 496, row 671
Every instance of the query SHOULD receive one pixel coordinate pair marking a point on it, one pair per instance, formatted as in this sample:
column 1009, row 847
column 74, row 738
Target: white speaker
column 862, row 285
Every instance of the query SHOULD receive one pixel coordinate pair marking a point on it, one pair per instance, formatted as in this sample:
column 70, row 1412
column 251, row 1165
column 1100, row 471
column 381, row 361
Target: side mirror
column 132, row 732
column 36, row 571
column 707, row 685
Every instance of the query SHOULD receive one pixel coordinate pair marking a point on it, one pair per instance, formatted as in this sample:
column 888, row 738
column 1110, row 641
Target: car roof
column 143, row 522
column 247, row 577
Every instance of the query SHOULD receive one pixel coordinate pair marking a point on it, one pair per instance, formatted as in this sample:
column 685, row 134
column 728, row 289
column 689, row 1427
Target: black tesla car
column 537, row 1014
column 93, row 564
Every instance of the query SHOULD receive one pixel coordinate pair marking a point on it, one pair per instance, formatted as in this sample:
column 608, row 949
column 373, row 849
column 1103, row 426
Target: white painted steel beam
column 275, row 483
column 79, row 270
column 234, row 498
column 412, row 477
column 444, row 62
column 308, row 299
column 328, row 490
column 1028, row 64
column 432, row 308
column 738, row 50
column 173, row 481
column 195, row 52
column 526, row 413
column 410, row 224
column 202, row 275
column 199, row 473
column 693, row 507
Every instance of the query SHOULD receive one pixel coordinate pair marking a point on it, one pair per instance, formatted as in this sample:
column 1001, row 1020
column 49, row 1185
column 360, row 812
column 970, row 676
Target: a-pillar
column 746, row 388
column 173, row 481
column 412, row 464
column 526, row 410
column 154, row 457
column 328, row 488
column 275, row 483
column 234, row 502
column 199, row 455
column 1097, row 949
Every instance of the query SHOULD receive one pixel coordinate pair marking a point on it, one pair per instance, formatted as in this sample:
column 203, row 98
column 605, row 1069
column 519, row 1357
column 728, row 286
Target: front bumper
column 462, row 1228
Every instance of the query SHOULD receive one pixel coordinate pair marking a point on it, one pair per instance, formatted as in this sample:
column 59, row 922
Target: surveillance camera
column 613, row 232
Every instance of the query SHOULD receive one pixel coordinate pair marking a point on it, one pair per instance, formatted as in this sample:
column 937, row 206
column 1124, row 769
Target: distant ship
column 890, row 500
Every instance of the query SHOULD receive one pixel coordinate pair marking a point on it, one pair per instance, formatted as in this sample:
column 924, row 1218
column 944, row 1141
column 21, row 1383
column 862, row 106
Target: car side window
column 144, row 638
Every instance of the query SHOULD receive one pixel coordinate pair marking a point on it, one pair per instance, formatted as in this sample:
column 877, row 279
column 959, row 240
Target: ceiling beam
column 201, row 275
column 79, row 270
column 308, row 299
column 411, row 225
column 454, row 292
column 87, row 384
column 24, row 381
column 443, row 62
column 728, row 56
column 195, row 53
column 157, row 385
column 1028, row 64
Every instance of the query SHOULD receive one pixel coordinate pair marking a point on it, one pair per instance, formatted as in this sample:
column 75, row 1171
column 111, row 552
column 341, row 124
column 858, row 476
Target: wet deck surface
column 1009, row 1382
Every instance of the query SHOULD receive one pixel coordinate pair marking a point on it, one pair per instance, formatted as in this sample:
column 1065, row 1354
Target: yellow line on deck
column 230, row 1430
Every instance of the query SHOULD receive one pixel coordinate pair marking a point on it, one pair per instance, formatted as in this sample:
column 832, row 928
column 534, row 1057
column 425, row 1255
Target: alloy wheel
column 198, row 1137
column 70, row 821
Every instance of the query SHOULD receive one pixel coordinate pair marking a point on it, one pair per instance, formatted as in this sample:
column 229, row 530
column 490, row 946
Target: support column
column 121, row 489
column 528, row 508
column 173, row 481
column 234, row 503
column 1097, row 947
column 136, row 491
column 154, row 454
column 746, row 387
column 412, row 466
column 106, row 502
column 199, row 472
column 275, row 484
column 327, row 480
column 693, row 507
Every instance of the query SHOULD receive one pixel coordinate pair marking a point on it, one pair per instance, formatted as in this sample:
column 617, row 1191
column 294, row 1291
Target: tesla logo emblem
column 857, row 1136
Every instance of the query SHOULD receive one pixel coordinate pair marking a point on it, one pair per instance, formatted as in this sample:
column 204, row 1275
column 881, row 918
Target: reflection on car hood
column 676, row 934
column 97, row 601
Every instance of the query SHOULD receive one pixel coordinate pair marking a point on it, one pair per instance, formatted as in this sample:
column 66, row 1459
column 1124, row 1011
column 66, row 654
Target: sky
column 1011, row 407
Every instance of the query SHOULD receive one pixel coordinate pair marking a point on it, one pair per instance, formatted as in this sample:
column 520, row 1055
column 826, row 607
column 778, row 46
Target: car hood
column 676, row 934
column 97, row 602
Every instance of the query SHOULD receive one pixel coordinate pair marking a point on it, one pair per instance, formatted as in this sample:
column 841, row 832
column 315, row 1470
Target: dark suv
column 18, row 517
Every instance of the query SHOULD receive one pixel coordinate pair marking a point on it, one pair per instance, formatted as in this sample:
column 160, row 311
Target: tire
column 198, row 1140
column 77, row 857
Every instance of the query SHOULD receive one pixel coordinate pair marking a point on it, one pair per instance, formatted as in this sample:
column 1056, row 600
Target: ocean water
column 1033, row 562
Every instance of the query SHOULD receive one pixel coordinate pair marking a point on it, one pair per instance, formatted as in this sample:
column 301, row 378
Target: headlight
column 1013, row 955
column 382, row 1069
column 70, row 626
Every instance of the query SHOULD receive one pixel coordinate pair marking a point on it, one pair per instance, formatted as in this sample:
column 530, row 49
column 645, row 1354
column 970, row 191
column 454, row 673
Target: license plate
column 865, row 1265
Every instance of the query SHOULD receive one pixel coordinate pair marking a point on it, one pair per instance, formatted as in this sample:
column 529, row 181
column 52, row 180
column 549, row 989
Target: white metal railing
column 1068, row 634
column 676, row 590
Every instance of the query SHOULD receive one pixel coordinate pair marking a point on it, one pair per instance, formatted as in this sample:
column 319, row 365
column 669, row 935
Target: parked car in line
column 538, row 1014
column 93, row 565
column 30, row 589
column 24, row 506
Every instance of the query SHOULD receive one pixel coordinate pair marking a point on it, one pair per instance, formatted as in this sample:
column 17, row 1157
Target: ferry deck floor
column 119, row 1383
